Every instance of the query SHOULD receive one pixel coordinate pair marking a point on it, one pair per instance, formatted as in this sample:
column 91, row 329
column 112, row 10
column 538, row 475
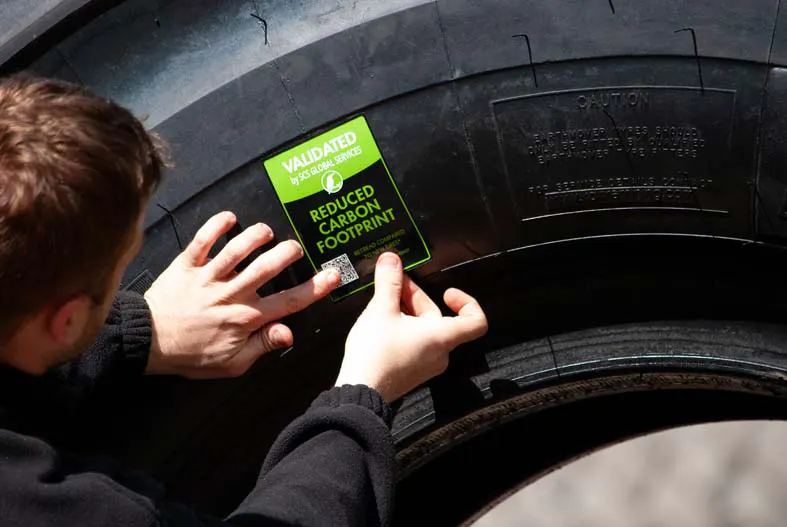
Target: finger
column 266, row 266
column 285, row 303
column 416, row 302
column 197, row 251
column 239, row 248
column 388, row 282
column 470, row 322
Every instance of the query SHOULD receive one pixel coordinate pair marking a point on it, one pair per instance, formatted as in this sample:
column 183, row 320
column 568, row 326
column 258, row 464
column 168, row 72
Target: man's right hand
column 401, row 339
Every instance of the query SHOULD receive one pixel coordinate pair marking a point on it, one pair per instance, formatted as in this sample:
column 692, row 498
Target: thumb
column 388, row 280
column 470, row 322
column 268, row 338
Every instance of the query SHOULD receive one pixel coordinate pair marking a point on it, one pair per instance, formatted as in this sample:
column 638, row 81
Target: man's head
column 75, row 173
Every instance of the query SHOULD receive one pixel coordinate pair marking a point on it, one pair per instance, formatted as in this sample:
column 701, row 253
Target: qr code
column 344, row 266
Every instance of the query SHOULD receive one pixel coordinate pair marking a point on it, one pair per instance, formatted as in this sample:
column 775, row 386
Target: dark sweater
column 331, row 466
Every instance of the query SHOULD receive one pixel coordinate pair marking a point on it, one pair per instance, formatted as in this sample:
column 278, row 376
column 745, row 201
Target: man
column 75, row 174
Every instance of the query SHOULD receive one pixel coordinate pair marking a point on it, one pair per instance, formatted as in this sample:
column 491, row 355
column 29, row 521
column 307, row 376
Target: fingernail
column 277, row 337
column 329, row 276
column 389, row 259
column 298, row 245
column 266, row 231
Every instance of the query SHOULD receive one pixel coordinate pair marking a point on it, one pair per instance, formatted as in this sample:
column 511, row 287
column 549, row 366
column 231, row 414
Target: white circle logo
column 332, row 182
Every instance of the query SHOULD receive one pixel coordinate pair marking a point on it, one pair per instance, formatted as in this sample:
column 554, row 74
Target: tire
column 613, row 383
column 668, row 206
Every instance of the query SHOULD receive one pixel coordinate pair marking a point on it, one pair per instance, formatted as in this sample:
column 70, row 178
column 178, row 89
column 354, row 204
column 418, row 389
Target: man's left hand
column 208, row 320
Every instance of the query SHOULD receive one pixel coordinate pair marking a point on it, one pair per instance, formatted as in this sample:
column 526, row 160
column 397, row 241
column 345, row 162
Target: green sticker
column 344, row 205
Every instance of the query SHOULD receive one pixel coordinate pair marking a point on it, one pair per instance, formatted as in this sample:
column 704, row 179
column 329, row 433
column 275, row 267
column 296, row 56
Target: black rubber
column 670, row 204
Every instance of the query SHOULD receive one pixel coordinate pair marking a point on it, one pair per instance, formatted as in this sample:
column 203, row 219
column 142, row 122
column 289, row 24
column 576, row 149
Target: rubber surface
column 574, row 164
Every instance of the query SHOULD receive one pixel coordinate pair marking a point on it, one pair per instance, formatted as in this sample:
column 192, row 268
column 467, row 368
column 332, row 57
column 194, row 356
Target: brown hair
column 75, row 171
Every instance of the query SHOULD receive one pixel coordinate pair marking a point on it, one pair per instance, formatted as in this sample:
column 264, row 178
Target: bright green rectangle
column 295, row 173
column 312, row 177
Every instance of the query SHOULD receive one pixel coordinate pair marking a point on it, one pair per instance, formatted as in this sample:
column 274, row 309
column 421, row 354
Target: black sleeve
column 332, row 466
column 120, row 353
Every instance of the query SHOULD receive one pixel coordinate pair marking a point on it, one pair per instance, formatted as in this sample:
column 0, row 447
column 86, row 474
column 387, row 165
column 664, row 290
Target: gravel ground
column 719, row 475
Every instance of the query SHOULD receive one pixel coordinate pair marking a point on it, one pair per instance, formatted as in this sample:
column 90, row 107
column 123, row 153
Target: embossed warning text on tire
column 616, row 148
column 344, row 205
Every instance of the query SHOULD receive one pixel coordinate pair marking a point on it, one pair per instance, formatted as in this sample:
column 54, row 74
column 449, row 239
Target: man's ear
column 67, row 322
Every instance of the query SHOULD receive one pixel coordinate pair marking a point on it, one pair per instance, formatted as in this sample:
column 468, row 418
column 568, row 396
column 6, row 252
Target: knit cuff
column 136, row 328
column 356, row 395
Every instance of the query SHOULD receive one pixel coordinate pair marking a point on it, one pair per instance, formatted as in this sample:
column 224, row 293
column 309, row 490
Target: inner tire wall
column 465, row 482
column 611, row 383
